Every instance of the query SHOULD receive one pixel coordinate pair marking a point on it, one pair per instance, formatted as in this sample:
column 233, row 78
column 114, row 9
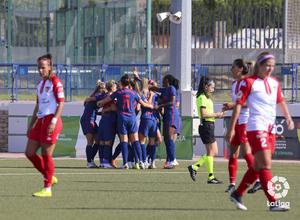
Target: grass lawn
column 133, row 194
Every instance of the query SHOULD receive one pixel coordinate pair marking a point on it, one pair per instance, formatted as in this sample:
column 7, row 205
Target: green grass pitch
column 133, row 194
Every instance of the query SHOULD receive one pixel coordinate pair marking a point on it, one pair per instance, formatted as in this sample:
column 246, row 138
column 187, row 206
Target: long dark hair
column 172, row 81
column 125, row 80
column 240, row 63
column 204, row 81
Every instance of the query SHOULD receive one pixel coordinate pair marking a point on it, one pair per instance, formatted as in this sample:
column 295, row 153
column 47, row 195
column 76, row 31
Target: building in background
column 114, row 31
column 74, row 31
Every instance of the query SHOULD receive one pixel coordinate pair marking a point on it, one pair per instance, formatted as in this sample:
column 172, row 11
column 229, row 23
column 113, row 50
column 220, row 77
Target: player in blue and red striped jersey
column 107, row 127
column 148, row 125
column 178, row 129
column 127, row 126
column 46, row 124
column 132, row 155
column 151, row 152
column 156, row 112
column 171, row 117
column 88, row 123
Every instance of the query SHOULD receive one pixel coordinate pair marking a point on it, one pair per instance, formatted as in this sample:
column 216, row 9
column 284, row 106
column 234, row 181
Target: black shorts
column 207, row 132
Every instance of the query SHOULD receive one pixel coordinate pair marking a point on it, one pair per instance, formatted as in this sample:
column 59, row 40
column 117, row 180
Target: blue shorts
column 174, row 122
column 88, row 127
column 107, row 127
column 148, row 127
column 158, row 122
column 178, row 129
column 127, row 125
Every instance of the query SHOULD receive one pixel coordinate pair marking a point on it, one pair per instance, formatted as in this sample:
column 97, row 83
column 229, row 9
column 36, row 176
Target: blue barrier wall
column 18, row 81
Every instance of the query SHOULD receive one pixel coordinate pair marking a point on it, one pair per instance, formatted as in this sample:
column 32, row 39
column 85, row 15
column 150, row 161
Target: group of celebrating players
column 120, row 104
column 251, row 131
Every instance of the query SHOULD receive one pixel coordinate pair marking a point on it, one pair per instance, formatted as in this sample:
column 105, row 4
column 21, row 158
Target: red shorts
column 39, row 131
column 261, row 140
column 240, row 135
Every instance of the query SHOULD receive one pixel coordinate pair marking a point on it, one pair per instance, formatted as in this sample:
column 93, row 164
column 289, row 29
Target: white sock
column 48, row 189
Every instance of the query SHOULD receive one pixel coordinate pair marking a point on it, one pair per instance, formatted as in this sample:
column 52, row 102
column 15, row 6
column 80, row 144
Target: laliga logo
column 279, row 127
column 278, row 187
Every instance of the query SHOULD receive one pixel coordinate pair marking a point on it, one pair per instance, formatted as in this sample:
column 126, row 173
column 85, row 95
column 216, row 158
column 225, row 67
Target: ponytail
column 204, row 81
column 240, row 63
column 47, row 57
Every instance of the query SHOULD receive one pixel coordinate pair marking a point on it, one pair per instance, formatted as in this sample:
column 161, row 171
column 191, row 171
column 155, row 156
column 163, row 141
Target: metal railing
column 230, row 25
column 287, row 74
column 18, row 81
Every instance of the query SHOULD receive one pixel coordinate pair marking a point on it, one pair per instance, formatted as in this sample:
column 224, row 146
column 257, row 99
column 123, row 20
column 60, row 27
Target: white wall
column 19, row 112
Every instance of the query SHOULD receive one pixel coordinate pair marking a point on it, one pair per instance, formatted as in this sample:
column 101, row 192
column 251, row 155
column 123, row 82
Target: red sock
column 249, row 159
column 38, row 163
column 49, row 170
column 232, row 169
column 249, row 178
column 265, row 175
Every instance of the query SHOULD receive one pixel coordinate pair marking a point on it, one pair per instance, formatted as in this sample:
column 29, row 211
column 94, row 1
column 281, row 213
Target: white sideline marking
column 104, row 173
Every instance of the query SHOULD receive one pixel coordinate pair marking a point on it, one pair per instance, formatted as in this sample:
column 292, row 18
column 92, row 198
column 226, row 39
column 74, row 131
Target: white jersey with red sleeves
column 49, row 93
column 261, row 96
column 244, row 115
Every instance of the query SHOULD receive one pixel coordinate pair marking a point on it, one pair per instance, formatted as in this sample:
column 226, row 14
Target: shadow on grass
column 134, row 182
column 147, row 209
column 138, row 191
column 12, row 196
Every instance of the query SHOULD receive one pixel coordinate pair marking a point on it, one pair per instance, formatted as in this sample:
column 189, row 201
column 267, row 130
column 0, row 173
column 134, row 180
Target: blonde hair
column 98, row 82
column 145, row 84
column 100, row 85
column 110, row 84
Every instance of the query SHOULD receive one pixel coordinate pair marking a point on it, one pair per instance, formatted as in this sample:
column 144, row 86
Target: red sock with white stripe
column 38, row 163
column 49, row 170
column 232, row 169
column 265, row 175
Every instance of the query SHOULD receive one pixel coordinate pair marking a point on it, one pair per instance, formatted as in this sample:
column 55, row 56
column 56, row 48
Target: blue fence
column 287, row 74
column 18, row 81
